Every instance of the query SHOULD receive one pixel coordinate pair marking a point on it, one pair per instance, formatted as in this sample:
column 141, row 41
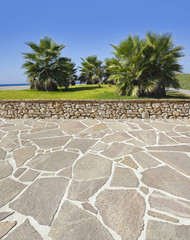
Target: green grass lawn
column 74, row 92
column 184, row 80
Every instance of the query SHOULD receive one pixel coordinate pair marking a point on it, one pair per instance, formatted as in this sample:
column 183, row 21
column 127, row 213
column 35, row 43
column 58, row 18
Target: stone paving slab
column 93, row 179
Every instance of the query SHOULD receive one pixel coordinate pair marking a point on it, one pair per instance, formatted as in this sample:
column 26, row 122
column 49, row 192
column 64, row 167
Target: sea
column 11, row 85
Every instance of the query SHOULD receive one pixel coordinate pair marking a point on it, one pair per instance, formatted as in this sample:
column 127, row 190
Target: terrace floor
column 94, row 179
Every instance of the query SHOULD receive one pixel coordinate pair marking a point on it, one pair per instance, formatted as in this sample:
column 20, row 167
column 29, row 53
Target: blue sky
column 87, row 27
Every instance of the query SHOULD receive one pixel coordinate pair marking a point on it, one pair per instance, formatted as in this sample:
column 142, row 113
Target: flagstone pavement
column 94, row 179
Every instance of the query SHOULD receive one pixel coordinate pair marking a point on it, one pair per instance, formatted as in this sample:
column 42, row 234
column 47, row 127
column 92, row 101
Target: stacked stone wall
column 113, row 109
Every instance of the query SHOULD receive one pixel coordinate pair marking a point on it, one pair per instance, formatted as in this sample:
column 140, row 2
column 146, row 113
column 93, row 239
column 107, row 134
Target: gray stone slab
column 53, row 161
column 9, row 190
column 29, row 122
column 163, row 139
column 144, row 190
column 168, row 180
column 76, row 224
column 174, row 148
column 128, row 161
column 23, row 154
column 67, row 172
column 92, row 166
column 132, row 126
column 117, row 126
column 72, row 126
column 28, row 176
column 7, row 125
column 116, row 137
column 147, row 136
column 36, row 130
column 82, row 190
column 48, row 133
column 5, row 169
column 162, row 216
column 82, row 144
column 38, row 125
column 124, row 177
column 24, row 232
column 123, row 211
column 96, row 128
column 2, row 154
column 144, row 126
column 41, row 199
column 90, row 122
column 137, row 143
column 5, row 227
column 54, row 124
column 116, row 150
column 179, row 161
column 99, row 146
column 47, row 174
column 182, row 139
column 14, row 124
column 182, row 129
column 162, row 230
column 19, row 171
column 2, row 134
column 45, row 143
column 187, row 134
column 168, row 204
column 145, row 160
column 89, row 207
column 172, row 134
column 162, row 126
column 10, row 142
column 98, row 135
column 4, row 215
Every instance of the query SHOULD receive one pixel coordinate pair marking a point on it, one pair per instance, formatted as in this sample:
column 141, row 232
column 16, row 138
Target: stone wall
column 136, row 108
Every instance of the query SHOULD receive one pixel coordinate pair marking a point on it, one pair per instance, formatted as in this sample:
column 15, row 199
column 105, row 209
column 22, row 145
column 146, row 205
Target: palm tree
column 45, row 69
column 164, row 62
column 71, row 71
column 108, row 73
column 129, row 66
column 92, row 70
column 145, row 67
column 64, row 72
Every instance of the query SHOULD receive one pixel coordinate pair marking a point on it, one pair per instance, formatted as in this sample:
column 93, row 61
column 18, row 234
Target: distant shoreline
column 14, row 84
